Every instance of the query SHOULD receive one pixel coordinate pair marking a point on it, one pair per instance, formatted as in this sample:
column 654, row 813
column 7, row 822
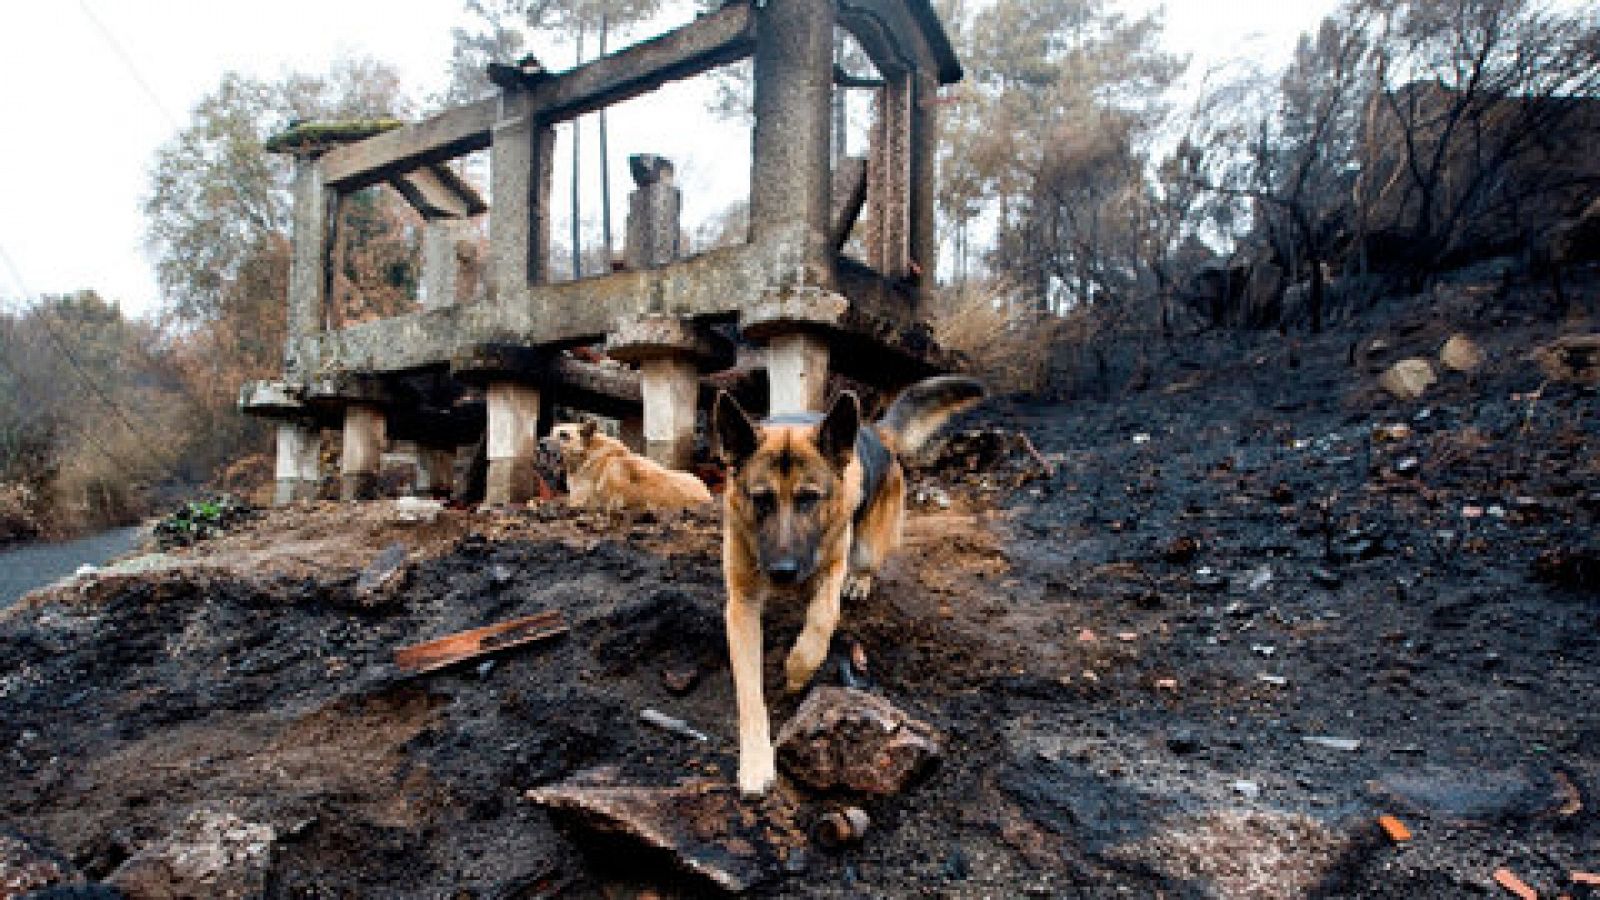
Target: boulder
column 1461, row 354
column 843, row 738
column 1408, row 378
column 212, row 855
column 703, row 826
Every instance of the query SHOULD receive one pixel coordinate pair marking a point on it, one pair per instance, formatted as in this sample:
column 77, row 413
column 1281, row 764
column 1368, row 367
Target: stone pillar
column 313, row 217
column 298, row 465
column 671, row 388
column 923, row 239
column 653, row 211
column 889, row 178
column 797, row 372
column 791, row 145
column 513, row 443
column 440, row 267
column 521, row 161
column 364, row 439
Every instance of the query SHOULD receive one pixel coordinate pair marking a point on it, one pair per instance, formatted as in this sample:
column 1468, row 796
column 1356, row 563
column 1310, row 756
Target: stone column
column 653, row 211
column 440, row 267
column 513, row 443
column 298, row 464
column 670, row 352
column 791, row 145
column 671, row 388
column 521, row 160
column 313, row 217
column 889, row 178
column 924, row 150
column 364, row 440
column 797, row 372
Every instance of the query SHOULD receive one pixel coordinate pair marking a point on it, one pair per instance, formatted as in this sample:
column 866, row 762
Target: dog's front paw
column 756, row 776
column 856, row 587
column 798, row 669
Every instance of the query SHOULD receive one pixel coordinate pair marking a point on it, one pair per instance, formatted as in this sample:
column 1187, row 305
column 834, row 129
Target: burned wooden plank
column 465, row 645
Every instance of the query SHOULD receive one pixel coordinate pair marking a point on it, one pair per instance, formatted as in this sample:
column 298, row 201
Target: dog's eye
column 807, row 498
column 764, row 501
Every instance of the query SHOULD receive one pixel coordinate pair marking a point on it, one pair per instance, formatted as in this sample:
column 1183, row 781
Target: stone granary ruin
column 451, row 374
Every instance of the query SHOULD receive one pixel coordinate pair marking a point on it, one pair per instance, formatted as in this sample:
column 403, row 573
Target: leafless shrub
column 1006, row 340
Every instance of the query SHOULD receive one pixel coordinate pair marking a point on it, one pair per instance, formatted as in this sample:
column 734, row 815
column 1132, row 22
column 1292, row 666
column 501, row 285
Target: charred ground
column 1089, row 631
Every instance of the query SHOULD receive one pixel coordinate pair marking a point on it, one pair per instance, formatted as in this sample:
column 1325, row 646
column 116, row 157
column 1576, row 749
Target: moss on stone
column 316, row 135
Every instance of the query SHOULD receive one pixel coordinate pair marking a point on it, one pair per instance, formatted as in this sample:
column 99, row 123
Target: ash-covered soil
column 1135, row 659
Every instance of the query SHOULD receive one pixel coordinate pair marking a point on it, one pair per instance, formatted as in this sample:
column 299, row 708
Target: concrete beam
column 298, row 466
column 711, row 284
column 437, row 192
column 362, row 456
column 849, row 195
column 713, row 40
column 452, row 133
column 513, row 443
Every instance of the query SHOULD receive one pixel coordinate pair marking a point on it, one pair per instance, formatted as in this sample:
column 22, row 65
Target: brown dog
column 602, row 473
column 813, row 506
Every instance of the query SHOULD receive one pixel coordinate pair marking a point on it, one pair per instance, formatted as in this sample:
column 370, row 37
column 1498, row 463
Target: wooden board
column 465, row 645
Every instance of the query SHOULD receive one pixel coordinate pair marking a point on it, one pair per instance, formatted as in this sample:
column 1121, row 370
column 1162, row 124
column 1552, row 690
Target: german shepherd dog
column 602, row 473
column 813, row 505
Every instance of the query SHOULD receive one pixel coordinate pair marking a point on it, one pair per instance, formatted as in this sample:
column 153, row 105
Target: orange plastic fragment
column 1506, row 879
column 1394, row 828
column 1588, row 878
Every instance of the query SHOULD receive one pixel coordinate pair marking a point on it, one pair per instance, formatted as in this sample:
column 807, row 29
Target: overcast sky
column 90, row 88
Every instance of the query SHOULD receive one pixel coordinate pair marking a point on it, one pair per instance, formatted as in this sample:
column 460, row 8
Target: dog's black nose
column 784, row 571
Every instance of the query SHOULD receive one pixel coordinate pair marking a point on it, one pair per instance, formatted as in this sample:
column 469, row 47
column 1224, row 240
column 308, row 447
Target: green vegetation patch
column 312, row 135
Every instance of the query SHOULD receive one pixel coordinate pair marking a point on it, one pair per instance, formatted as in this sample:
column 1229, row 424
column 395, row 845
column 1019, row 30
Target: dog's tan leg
column 743, row 617
column 876, row 535
column 822, row 617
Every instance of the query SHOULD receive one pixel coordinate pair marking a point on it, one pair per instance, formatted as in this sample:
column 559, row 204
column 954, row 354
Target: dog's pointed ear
column 586, row 431
column 735, row 434
column 836, row 436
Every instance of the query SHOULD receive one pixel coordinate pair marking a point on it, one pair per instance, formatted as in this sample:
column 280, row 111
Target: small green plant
column 200, row 520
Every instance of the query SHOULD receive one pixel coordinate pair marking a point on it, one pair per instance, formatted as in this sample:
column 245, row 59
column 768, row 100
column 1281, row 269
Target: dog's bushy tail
column 921, row 408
